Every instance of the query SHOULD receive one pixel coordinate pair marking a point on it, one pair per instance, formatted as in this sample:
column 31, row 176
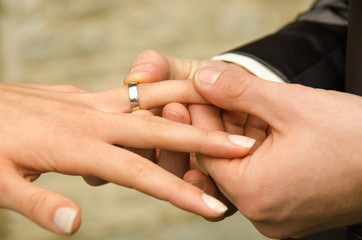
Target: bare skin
column 304, row 172
column 71, row 131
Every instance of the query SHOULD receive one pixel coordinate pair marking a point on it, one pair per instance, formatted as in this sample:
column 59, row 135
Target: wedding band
column 133, row 96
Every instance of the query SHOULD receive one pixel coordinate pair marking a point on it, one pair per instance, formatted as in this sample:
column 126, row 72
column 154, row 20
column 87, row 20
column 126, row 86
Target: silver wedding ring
column 133, row 96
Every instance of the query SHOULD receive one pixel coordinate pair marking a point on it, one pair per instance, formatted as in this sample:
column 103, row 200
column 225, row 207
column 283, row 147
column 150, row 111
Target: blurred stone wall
column 91, row 44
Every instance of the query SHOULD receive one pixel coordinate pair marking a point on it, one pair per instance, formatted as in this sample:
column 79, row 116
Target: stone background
column 90, row 44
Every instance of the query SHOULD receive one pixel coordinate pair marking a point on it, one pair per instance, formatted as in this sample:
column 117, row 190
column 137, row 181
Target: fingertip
column 205, row 183
column 149, row 66
column 51, row 210
column 67, row 219
column 176, row 112
column 214, row 204
column 242, row 141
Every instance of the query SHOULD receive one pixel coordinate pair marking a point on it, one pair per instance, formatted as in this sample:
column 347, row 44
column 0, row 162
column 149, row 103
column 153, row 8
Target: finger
column 59, row 93
column 225, row 172
column 243, row 92
column 146, row 153
column 150, row 96
column 94, row 181
column 50, row 210
column 208, row 117
column 177, row 163
column 176, row 112
column 139, row 131
column 162, row 93
column 156, row 111
column 257, row 129
column 127, row 169
column 50, row 88
column 243, row 124
column 234, row 122
column 205, row 183
column 151, row 66
column 194, row 165
column 149, row 154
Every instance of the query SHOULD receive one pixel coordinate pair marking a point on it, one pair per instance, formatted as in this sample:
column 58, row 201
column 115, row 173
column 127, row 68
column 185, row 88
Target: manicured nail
column 214, row 204
column 242, row 141
column 141, row 69
column 64, row 218
column 208, row 75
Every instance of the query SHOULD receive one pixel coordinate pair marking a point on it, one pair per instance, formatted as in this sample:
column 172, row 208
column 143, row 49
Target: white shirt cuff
column 252, row 65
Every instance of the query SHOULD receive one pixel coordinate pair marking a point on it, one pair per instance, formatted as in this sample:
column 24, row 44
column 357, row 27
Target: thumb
column 50, row 210
column 240, row 91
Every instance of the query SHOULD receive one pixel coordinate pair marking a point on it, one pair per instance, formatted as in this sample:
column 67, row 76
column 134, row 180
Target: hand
column 306, row 175
column 150, row 67
column 71, row 131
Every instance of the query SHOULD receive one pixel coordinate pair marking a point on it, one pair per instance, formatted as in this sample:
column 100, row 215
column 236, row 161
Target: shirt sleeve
column 255, row 67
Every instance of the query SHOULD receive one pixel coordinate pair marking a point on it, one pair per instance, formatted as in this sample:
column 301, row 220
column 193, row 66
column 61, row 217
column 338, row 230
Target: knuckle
column 178, row 188
column 188, row 67
column 157, row 126
column 204, row 134
column 139, row 169
column 35, row 203
column 235, row 89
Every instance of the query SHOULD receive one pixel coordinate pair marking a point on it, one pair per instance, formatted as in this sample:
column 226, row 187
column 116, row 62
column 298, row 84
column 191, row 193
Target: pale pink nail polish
column 214, row 204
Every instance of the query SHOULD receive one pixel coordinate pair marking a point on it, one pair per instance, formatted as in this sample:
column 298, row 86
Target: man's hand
column 306, row 175
column 304, row 171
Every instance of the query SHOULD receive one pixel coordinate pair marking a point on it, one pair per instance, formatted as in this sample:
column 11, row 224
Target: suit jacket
column 311, row 51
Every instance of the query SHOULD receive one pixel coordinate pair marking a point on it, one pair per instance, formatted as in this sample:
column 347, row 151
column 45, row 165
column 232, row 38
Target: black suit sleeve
column 310, row 51
column 304, row 52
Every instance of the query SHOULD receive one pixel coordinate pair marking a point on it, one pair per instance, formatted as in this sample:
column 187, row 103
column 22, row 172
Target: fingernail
column 208, row 75
column 214, row 204
column 242, row 141
column 141, row 69
column 173, row 116
column 64, row 218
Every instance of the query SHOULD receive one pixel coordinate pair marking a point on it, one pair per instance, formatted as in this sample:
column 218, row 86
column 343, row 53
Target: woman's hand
column 71, row 131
